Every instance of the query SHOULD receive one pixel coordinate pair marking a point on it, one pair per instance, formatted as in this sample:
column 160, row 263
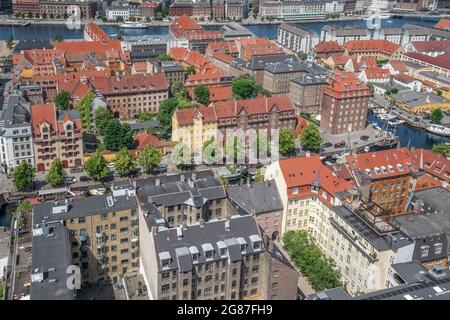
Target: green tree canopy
column 124, row 163
column 84, row 108
column 190, row 70
column 56, row 174
column 442, row 149
column 145, row 116
column 118, row 135
column 102, row 117
column 10, row 42
column 24, row 207
column 62, row 100
column 320, row 271
column 166, row 110
column 23, row 175
column 244, row 87
column 201, row 94
column 286, row 141
column 311, row 137
column 149, row 158
column 302, row 55
column 436, row 115
column 259, row 176
column 96, row 166
column 179, row 90
column 210, row 151
column 164, row 57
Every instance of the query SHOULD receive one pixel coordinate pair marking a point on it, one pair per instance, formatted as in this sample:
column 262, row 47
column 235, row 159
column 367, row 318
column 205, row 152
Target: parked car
column 160, row 169
column 85, row 178
column 98, row 191
column 70, row 180
column 339, row 144
column 364, row 138
column 327, row 145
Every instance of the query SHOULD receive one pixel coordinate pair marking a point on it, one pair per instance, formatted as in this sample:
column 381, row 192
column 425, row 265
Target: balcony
column 134, row 238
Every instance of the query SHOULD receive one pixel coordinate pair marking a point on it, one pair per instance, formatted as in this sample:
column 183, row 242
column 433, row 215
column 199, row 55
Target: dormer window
column 400, row 167
column 243, row 248
column 294, row 190
column 315, row 189
column 165, row 264
column 256, row 242
column 377, row 170
column 195, row 258
column 209, row 255
column 424, row 250
column 438, row 248
column 390, row 168
column 223, row 252
column 208, row 251
column 165, row 259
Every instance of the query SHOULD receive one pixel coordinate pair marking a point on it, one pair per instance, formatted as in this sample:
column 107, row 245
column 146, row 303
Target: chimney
column 157, row 182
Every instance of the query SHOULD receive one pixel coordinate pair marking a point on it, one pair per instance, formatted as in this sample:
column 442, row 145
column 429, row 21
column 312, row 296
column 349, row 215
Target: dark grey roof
column 81, row 207
column 15, row 112
column 409, row 272
column 346, row 31
column 296, row 66
column 50, row 259
column 74, row 114
column 170, row 66
column 425, row 286
column 310, row 79
column 144, row 125
column 378, row 241
column 212, row 234
column 294, row 29
column 259, row 63
column 262, row 197
column 435, row 216
column 32, row 44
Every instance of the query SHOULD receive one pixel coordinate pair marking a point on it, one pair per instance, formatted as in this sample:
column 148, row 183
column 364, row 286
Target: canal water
column 6, row 213
column 414, row 137
column 266, row 30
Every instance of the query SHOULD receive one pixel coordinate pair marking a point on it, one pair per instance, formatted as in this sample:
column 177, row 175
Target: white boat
column 387, row 117
column 439, row 130
column 395, row 122
column 133, row 25
column 379, row 111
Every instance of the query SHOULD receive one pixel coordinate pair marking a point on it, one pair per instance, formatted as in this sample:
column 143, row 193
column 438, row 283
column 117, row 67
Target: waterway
column 261, row 30
column 410, row 136
column 6, row 213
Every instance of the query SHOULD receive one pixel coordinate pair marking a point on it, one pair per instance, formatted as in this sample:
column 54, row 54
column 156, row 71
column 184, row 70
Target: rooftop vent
column 110, row 201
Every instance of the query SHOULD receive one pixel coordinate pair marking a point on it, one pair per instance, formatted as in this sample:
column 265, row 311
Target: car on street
column 327, row 145
column 160, row 169
column 364, row 138
column 70, row 180
column 339, row 144
column 85, row 178
column 76, row 170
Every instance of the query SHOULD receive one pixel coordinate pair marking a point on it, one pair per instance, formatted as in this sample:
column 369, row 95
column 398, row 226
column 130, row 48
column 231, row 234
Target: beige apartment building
column 103, row 232
column 354, row 235
column 56, row 135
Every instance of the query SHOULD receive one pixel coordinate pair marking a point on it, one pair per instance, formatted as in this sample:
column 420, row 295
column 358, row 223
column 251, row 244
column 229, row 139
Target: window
column 104, row 216
column 275, row 286
column 438, row 248
column 276, row 273
column 424, row 250
column 82, row 220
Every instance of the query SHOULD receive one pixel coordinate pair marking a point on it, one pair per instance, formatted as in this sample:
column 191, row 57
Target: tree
column 390, row 91
column 102, row 117
column 10, row 43
column 164, row 57
column 201, row 94
column 149, row 158
column 166, row 110
column 44, row 15
column 30, row 15
column 234, row 150
column 302, row 55
column 23, row 175
column 442, row 149
column 190, row 70
column 436, row 115
column 259, row 176
column 320, row 271
column 311, row 137
column 286, row 141
column 62, row 100
column 52, row 16
column 132, row 18
column 84, row 108
column 56, row 174
column 179, row 89
column 58, row 38
column 210, row 151
column 118, row 135
column 255, row 10
column 371, row 88
column 145, row 116
column 165, row 12
column 96, row 166
column 119, row 19
column 124, row 163
column 159, row 16
column 244, row 87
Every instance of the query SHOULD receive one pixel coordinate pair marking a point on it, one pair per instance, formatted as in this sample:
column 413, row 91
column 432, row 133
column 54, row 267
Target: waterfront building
column 342, row 35
column 234, row 9
column 443, row 24
column 16, row 139
column 420, row 102
column 88, row 9
column 181, row 7
column 257, row 47
column 408, row 5
column 295, row 38
column 149, row 47
column 325, row 49
column 345, row 104
column 114, row 12
column 326, row 206
column 149, row 9
column 100, row 233
column 293, row 9
column 56, row 135
column 407, row 81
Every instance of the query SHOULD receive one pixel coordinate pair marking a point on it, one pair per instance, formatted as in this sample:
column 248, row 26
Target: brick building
column 345, row 103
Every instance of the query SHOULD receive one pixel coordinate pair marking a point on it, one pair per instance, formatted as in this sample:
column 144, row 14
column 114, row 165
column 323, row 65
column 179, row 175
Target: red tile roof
column 397, row 65
column 258, row 105
column 442, row 61
column 220, row 94
column 427, row 182
column 377, row 73
column 404, row 78
column 384, row 46
column 184, row 24
column 204, row 35
column 340, row 60
column 443, row 24
column 185, row 117
column 431, row 46
column 360, row 62
column 304, row 172
column 328, row 47
column 223, row 57
column 145, row 139
column 345, row 82
column 253, row 41
column 189, row 57
column 96, row 33
column 432, row 163
column 228, row 47
column 88, row 46
column 43, row 113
